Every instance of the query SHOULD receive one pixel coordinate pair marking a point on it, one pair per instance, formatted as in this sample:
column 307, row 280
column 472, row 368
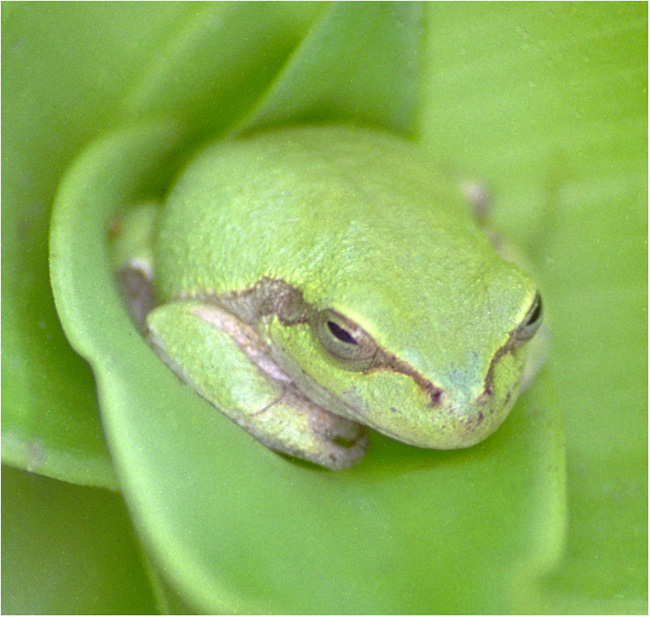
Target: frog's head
column 434, row 372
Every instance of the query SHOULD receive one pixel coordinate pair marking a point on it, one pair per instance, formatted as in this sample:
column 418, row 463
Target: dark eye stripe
column 340, row 333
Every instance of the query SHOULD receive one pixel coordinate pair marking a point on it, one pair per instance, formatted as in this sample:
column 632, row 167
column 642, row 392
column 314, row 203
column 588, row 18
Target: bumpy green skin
column 358, row 222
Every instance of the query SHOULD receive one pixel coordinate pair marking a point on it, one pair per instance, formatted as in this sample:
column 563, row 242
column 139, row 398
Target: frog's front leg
column 225, row 361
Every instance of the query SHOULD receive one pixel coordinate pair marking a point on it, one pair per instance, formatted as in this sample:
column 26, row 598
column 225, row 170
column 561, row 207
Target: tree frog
column 312, row 282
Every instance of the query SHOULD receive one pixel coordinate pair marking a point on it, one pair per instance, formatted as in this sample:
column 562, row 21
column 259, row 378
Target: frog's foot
column 295, row 426
column 478, row 197
column 224, row 360
column 136, row 289
column 479, row 200
column 130, row 239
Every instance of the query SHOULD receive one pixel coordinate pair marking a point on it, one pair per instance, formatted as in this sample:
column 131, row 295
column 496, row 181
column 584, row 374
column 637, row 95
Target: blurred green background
column 547, row 101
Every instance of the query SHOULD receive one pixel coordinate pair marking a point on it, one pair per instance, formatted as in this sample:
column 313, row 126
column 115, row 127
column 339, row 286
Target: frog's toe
column 342, row 442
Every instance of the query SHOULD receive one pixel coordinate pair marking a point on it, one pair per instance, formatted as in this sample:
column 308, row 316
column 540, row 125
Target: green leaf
column 219, row 61
column 359, row 64
column 68, row 550
column 65, row 66
column 232, row 526
column 549, row 102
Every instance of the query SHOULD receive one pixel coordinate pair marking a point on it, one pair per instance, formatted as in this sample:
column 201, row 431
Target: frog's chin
column 455, row 427
column 451, row 430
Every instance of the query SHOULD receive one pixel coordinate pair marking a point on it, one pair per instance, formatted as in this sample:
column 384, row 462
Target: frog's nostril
column 435, row 395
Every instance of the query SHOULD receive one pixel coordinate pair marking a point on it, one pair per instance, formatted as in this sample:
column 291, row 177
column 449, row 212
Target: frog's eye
column 531, row 322
column 345, row 339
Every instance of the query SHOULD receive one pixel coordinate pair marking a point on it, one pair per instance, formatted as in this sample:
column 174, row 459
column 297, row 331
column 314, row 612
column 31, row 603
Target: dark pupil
column 340, row 333
column 537, row 312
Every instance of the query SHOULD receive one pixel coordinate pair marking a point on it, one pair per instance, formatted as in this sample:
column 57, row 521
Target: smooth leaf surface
column 65, row 65
column 68, row 549
column 235, row 527
column 218, row 62
column 360, row 63
column 549, row 101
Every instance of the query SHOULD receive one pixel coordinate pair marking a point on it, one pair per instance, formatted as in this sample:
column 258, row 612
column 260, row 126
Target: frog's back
column 302, row 205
